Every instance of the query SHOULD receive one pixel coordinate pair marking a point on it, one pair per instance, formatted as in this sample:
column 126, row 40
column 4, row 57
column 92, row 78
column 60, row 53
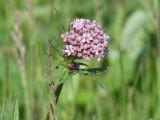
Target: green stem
column 123, row 86
column 157, row 23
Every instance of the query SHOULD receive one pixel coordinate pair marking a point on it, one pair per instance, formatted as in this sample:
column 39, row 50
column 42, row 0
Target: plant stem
column 158, row 26
column 55, row 90
column 123, row 86
column 55, row 96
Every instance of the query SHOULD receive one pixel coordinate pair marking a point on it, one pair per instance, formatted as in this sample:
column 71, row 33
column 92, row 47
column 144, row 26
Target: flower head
column 85, row 39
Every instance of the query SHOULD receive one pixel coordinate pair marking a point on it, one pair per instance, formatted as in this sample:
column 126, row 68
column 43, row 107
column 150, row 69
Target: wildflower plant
column 84, row 40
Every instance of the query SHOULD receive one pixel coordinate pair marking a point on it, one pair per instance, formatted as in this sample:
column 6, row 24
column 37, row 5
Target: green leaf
column 130, row 38
column 10, row 111
column 93, row 71
column 15, row 110
column 72, row 72
column 83, row 64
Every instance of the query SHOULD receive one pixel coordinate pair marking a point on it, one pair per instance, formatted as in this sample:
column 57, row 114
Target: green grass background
column 131, row 85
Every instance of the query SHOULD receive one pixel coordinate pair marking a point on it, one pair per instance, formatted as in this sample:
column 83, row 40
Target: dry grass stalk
column 17, row 37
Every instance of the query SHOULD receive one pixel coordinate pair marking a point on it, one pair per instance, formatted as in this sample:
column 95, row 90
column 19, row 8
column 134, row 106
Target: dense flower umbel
column 85, row 39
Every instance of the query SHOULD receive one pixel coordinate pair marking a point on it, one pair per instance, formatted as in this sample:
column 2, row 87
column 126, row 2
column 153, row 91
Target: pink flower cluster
column 85, row 39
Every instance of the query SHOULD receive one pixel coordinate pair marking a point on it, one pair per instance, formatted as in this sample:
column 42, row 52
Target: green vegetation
column 131, row 84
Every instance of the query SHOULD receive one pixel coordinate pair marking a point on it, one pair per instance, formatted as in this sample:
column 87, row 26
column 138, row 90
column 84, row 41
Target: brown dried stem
column 55, row 89
column 17, row 38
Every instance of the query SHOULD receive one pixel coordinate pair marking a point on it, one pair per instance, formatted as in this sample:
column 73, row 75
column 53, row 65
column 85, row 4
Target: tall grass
column 131, row 85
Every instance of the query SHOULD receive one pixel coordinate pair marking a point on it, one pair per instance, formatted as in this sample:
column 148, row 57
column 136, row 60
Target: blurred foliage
column 131, row 85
